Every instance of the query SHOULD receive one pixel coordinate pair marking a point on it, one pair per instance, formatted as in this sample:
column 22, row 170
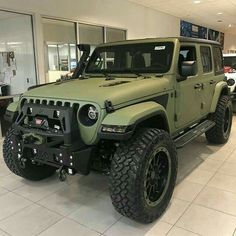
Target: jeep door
column 188, row 90
column 207, row 77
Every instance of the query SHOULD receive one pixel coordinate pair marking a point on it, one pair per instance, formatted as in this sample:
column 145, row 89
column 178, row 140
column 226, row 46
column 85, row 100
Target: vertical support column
column 39, row 48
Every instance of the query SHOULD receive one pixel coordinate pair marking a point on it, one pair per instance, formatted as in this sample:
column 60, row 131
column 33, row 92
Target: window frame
column 196, row 59
column 214, row 48
column 200, row 51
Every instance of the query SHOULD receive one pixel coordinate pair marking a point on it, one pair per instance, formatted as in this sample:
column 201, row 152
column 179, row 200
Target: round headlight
column 92, row 113
column 88, row 115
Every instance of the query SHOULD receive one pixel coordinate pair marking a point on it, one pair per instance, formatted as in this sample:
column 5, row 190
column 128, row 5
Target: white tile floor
column 204, row 200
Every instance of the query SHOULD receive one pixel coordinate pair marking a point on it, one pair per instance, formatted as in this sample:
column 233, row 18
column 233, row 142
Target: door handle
column 198, row 86
column 212, row 82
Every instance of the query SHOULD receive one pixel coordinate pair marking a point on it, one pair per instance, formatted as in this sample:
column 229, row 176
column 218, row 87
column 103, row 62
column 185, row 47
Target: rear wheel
column 222, row 117
column 13, row 155
column 143, row 175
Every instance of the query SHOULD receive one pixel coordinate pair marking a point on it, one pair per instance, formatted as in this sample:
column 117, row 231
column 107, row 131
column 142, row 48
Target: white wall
column 140, row 22
column 230, row 42
column 16, row 36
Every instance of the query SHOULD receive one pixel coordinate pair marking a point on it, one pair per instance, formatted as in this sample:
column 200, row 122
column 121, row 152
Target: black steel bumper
column 60, row 142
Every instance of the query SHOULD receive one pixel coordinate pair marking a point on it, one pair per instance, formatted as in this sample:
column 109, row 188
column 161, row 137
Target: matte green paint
column 185, row 106
column 123, row 116
column 217, row 93
column 13, row 106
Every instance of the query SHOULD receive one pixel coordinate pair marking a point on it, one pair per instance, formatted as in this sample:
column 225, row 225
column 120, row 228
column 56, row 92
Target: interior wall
column 230, row 42
column 140, row 22
column 16, row 36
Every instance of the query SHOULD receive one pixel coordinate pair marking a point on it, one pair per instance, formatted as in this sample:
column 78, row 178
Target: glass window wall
column 60, row 48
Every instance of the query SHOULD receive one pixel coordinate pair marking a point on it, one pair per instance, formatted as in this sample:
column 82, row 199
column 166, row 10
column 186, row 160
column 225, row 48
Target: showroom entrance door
column 17, row 58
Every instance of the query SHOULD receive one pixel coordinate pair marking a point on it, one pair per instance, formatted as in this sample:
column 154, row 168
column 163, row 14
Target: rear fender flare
column 220, row 89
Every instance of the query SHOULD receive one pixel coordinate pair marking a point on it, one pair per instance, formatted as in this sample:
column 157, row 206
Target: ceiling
column 204, row 12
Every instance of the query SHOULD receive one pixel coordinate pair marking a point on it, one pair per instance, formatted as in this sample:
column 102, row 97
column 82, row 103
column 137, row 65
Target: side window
column 218, row 60
column 186, row 53
column 206, row 59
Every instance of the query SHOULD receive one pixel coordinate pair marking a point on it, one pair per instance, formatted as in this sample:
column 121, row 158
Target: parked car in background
column 230, row 72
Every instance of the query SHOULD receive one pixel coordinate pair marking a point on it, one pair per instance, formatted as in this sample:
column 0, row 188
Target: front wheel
column 28, row 170
column 143, row 175
column 222, row 117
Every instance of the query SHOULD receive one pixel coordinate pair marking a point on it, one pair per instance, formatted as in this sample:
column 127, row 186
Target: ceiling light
column 219, row 13
column 230, row 26
column 196, row 1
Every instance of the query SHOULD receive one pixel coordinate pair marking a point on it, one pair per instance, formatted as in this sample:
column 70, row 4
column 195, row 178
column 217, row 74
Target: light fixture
column 196, row 1
column 230, row 26
column 219, row 13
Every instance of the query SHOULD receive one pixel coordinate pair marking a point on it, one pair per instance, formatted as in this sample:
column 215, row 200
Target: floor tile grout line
column 234, row 232
column 94, row 230
column 19, row 195
column 204, row 187
column 65, row 216
column 192, row 202
column 210, row 208
column 48, row 227
column 183, row 229
column 112, row 224
column 16, row 212
column 5, row 232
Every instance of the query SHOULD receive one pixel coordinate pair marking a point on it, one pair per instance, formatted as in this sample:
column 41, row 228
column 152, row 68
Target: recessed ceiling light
column 219, row 13
column 196, row 1
column 230, row 26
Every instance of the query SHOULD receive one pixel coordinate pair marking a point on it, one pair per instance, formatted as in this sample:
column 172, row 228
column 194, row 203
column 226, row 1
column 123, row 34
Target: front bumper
column 51, row 133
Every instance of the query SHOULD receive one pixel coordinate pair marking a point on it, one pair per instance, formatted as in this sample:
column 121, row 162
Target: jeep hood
column 98, row 90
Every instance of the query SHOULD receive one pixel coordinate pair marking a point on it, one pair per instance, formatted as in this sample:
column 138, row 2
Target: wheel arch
column 220, row 89
column 146, row 114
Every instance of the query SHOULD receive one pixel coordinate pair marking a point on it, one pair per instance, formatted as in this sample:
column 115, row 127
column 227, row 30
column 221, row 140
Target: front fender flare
column 132, row 115
column 11, row 112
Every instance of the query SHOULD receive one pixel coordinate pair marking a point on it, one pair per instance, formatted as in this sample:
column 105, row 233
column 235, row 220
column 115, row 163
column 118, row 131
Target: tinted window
column 206, row 59
column 218, row 60
column 132, row 58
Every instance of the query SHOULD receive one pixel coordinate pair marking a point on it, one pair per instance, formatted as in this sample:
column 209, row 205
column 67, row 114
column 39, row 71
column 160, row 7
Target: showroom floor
column 204, row 201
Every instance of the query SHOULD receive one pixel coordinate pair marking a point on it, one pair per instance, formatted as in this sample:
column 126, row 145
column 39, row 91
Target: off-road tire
column 30, row 171
column 128, row 172
column 219, row 134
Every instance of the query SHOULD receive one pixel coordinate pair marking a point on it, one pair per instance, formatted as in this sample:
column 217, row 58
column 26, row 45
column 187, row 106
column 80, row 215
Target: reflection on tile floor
column 204, row 200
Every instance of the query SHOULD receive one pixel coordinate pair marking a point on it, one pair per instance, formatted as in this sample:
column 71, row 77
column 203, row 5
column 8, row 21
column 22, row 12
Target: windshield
column 230, row 61
column 132, row 58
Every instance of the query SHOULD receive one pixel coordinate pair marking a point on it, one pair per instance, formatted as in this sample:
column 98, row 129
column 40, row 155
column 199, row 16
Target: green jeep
column 124, row 112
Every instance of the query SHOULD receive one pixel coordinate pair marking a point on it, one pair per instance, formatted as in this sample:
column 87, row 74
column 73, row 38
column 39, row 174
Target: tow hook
column 62, row 174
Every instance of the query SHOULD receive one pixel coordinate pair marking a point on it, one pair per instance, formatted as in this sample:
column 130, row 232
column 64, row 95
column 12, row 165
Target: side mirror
column 188, row 68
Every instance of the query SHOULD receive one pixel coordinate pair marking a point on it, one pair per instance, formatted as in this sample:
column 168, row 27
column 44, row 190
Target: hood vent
column 114, row 83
